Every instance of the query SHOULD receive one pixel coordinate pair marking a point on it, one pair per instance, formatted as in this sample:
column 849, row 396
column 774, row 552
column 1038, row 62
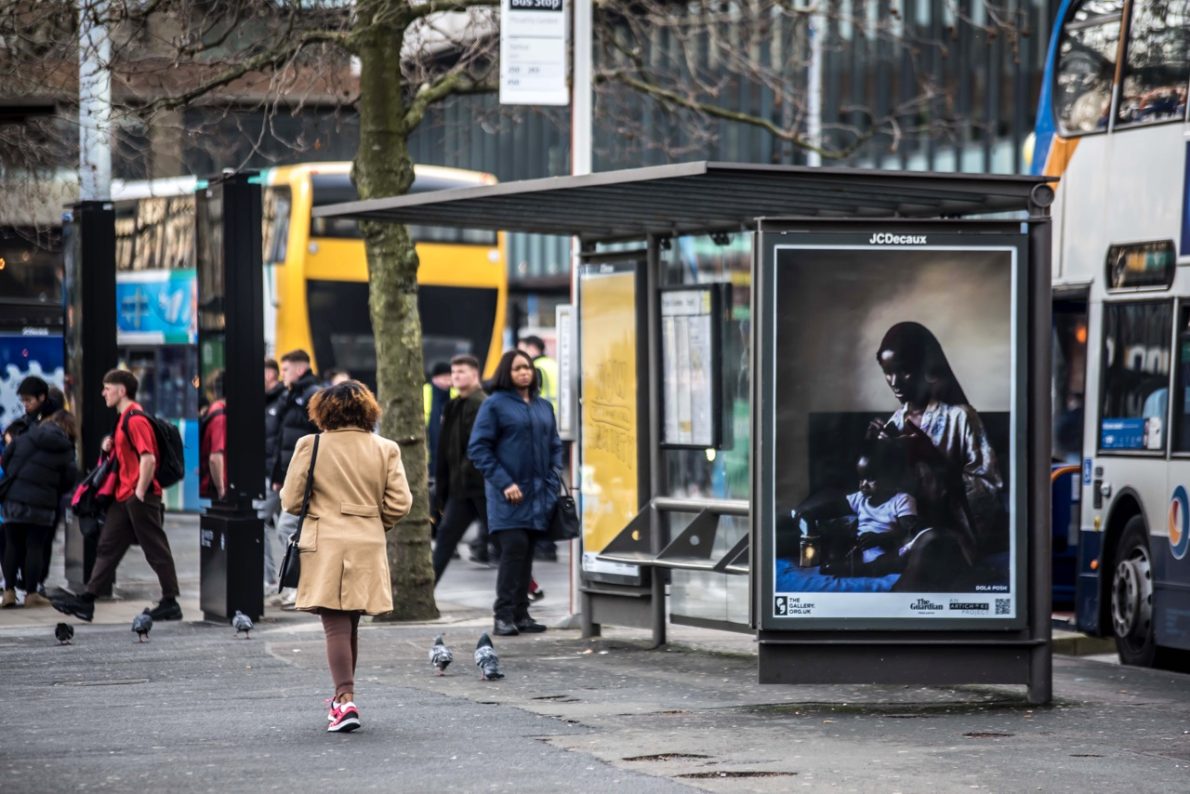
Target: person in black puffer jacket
column 293, row 422
column 39, row 467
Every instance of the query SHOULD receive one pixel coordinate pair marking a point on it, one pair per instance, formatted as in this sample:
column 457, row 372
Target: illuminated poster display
column 609, row 474
column 890, row 406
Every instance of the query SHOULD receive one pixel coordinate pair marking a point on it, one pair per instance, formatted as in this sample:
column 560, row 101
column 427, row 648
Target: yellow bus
column 316, row 275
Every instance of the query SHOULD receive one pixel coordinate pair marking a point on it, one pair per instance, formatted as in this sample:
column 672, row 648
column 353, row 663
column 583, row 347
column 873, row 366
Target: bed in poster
column 893, row 427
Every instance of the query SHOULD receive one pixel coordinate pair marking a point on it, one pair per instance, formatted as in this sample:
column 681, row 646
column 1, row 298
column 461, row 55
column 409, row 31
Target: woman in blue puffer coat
column 515, row 445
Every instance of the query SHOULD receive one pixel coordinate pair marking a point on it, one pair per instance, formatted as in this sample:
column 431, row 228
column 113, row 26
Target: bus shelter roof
column 697, row 197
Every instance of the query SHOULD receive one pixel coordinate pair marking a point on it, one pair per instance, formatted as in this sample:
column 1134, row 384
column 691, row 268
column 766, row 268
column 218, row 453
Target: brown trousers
column 134, row 521
column 342, row 648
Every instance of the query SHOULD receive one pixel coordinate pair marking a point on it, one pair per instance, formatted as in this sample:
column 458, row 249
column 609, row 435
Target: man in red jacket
column 137, row 514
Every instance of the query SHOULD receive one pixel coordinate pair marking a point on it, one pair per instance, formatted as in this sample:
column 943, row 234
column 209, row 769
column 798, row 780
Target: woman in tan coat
column 359, row 493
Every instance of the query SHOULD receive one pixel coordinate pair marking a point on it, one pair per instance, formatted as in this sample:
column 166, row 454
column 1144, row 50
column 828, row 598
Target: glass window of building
column 1087, row 65
column 1157, row 64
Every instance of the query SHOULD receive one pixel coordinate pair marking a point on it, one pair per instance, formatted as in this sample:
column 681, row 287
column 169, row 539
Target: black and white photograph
column 893, row 394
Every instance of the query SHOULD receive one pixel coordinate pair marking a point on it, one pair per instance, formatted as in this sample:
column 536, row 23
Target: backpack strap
column 127, row 418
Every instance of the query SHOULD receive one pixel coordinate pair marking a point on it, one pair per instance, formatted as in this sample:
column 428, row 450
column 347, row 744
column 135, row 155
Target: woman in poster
column 958, row 485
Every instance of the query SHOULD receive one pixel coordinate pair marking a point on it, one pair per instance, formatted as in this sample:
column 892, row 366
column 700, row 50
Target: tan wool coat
column 360, row 492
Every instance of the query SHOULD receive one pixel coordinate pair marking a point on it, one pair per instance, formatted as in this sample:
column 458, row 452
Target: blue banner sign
column 1122, row 433
column 156, row 307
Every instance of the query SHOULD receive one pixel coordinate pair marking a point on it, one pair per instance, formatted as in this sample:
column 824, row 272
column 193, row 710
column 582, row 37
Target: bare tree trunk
column 383, row 168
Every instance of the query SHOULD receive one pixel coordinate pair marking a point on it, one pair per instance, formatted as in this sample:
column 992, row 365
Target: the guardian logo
column 926, row 604
column 883, row 238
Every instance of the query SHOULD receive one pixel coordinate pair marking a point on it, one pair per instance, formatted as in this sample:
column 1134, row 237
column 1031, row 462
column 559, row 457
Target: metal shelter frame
column 655, row 203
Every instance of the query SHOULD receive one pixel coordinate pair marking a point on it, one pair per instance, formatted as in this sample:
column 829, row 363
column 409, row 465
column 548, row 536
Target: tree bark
column 383, row 167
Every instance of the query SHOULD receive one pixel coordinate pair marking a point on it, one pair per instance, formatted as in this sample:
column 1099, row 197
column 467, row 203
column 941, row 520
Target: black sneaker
column 70, row 604
column 503, row 628
column 529, row 626
column 166, row 609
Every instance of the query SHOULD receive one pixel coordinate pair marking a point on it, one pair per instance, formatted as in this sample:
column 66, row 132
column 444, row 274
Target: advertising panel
column 156, row 307
column 608, row 459
column 890, row 409
column 22, row 355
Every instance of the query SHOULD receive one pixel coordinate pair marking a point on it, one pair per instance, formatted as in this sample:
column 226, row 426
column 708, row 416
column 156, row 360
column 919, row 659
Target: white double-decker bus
column 1113, row 124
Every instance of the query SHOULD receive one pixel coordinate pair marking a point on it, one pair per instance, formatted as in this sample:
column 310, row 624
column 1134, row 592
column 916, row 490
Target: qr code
column 1003, row 606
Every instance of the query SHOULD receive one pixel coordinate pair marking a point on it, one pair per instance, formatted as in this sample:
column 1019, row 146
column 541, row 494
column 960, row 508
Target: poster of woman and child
column 893, row 403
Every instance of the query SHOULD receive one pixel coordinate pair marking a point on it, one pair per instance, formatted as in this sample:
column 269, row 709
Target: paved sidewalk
column 196, row 709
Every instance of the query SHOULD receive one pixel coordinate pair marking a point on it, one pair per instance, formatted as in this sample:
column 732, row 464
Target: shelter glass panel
column 722, row 473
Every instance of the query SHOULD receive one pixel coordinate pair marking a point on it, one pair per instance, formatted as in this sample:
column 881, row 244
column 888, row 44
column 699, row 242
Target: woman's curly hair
column 347, row 404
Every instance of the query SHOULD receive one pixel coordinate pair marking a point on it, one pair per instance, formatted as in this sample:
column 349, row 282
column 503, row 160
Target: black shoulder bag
column 564, row 523
column 291, row 566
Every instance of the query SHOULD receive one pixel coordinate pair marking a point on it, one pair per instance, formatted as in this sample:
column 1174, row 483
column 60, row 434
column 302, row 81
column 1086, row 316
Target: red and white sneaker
column 344, row 718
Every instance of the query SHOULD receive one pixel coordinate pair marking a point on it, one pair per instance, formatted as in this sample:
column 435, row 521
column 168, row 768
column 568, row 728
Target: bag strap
column 562, row 482
column 309, row 491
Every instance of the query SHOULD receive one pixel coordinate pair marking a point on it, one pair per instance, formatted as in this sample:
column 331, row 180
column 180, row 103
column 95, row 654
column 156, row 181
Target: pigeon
column 64, row 632
column 242, row 624
column 440, row 655
column 142, row 624
column 486, row 659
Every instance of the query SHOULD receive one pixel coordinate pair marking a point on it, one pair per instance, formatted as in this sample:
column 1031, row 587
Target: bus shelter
column 807, row 403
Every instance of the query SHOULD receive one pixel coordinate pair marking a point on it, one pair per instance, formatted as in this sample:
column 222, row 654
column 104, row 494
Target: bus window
column 1136, row 362
column 1181, row 395
column 277, row 202
column 1087, row 65
column 1157, row 65
column 1070, row 376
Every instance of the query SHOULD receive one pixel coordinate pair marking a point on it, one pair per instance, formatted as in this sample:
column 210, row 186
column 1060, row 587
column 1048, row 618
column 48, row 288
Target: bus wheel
column 1132, row 597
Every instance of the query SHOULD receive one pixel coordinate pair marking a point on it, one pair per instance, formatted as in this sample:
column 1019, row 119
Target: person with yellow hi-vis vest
column 547, row 368
column 547, row 378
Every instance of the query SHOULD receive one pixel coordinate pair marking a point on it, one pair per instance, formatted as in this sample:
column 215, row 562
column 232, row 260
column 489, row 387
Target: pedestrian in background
column 515, row 444
column 458, row 485
column 137, row 514
column 359, row 493
column 39, row 403
column 39, row 467
column 293, row 423
column 547, row 379
column 435, row 393
column 268, row 508
column 212, row 444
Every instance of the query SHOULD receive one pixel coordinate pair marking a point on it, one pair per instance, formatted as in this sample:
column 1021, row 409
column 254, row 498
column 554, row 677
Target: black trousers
column 515, row 573
column 456, row 517
column 134, row 521
column 24, row 549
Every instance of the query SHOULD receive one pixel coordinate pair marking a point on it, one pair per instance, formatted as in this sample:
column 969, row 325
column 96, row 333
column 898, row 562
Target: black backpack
column 171, row 455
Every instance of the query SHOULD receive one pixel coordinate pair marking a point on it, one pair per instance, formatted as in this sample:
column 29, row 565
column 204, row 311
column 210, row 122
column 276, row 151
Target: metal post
column 90, row 333
column 581, row 102
column 95, row 101
column 647, row 291
column 232, row 537
column 1041, row 674
column 816, row 32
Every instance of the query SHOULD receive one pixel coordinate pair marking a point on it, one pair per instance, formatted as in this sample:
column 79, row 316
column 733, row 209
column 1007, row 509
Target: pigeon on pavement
column 486, row 659
column 440, row 655
column 64, row 632
column 242, row 624
column 142, row 624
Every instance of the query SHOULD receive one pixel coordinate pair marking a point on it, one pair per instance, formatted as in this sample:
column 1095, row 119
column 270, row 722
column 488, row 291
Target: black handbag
column 291, row 565
column 564, row 523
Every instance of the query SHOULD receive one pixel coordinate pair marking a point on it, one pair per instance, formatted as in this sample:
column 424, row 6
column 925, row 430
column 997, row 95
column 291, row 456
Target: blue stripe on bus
column 1046, row 126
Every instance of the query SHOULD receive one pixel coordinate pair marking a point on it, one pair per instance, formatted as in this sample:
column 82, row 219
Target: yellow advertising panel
column 607, row 333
